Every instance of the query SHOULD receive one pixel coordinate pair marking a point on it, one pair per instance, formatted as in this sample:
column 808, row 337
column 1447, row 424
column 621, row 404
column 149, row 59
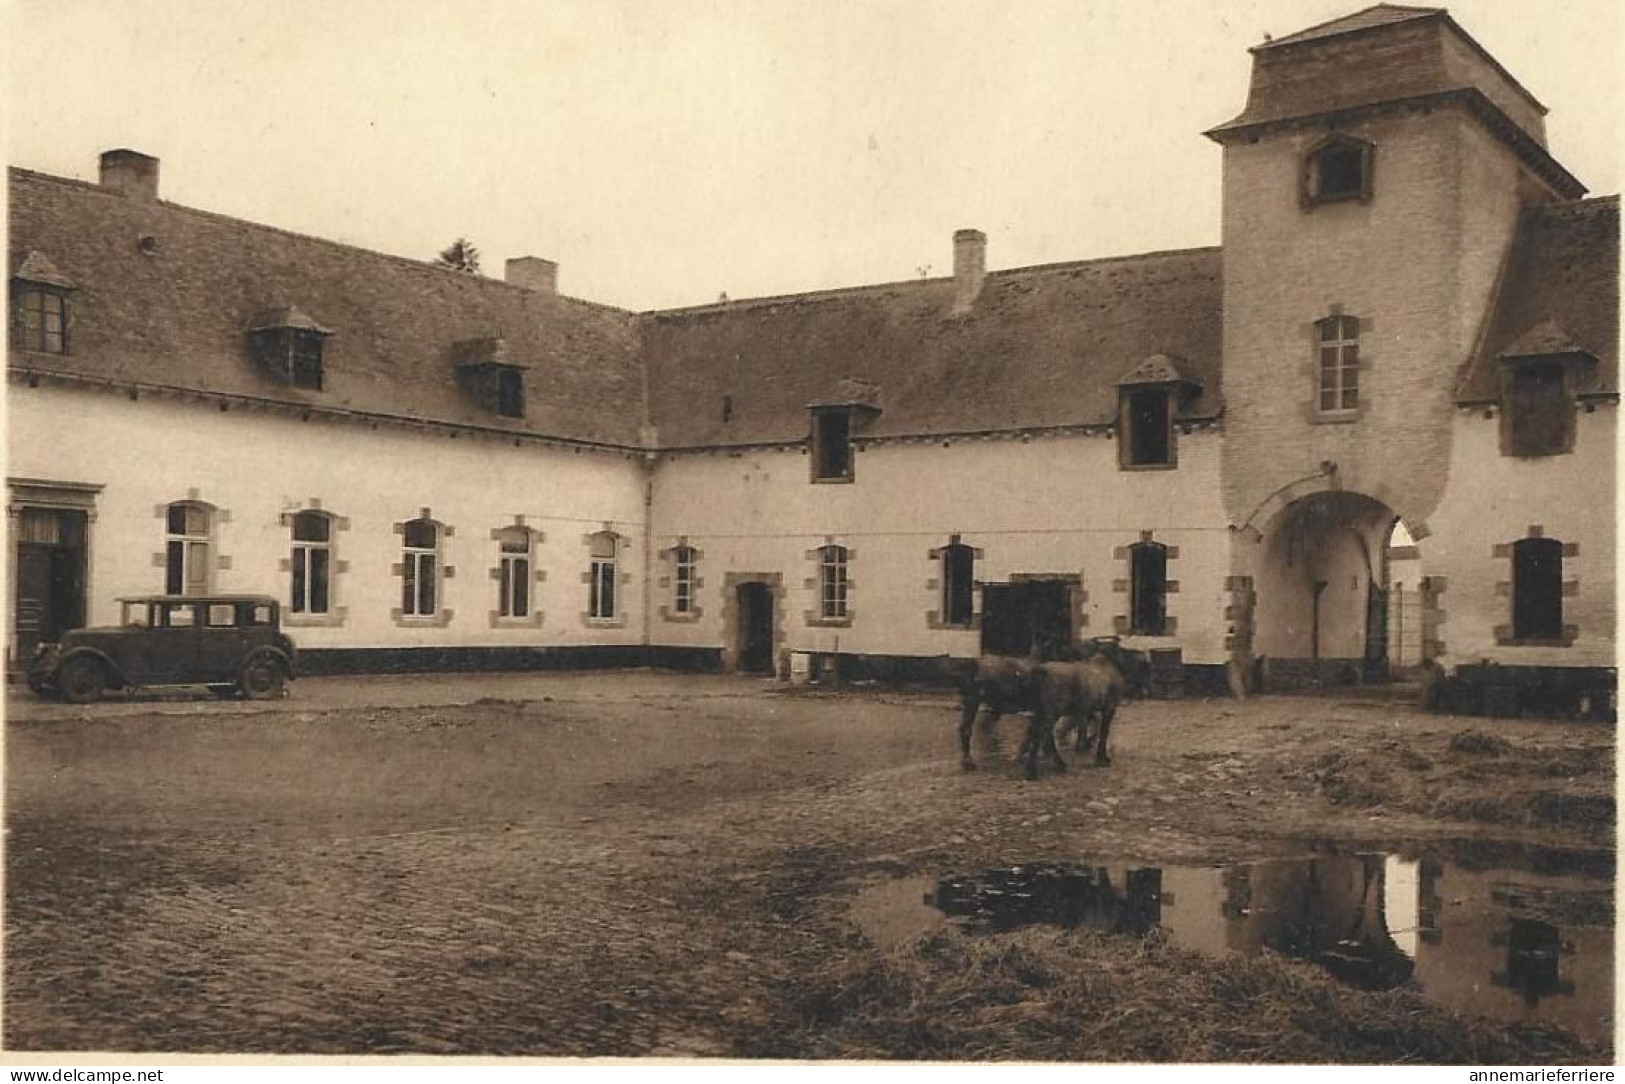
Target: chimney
column 970, row 267
column 532, row 273
column 130, row 173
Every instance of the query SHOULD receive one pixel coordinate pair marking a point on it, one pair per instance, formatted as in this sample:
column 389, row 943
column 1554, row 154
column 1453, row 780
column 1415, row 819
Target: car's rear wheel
column 261, row 677
column 82, row 681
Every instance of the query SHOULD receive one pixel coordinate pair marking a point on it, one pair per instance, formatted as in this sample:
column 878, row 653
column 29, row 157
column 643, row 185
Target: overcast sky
column 664, row 151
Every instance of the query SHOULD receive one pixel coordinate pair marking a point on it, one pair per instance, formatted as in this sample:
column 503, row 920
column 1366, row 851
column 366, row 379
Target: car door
column 221, row 643
column 171, row 644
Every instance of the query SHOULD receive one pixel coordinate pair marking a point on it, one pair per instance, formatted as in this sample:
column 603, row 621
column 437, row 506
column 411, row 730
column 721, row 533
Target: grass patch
column 1079, row 995
column 1478, row 742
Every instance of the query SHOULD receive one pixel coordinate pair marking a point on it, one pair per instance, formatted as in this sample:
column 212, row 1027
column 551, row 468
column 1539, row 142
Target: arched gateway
column 1322, row 605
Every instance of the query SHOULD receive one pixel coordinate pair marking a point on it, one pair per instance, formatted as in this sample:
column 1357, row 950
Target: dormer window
column 1149, row 397
column 1148, row 433
column 1539, row 374
column 832, row 445
column 510, row 392
column 1338, row 169
column 855, row 403
column 39, row 307
column 1539, row 410
column 289, row 344
column 492, row 378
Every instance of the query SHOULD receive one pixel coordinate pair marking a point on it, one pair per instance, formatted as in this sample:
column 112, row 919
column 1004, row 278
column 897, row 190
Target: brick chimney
column 130, row 173
column 532, row 273
column 970, row 267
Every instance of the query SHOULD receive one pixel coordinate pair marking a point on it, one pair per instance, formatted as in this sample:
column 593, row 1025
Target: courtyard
column 661, row 865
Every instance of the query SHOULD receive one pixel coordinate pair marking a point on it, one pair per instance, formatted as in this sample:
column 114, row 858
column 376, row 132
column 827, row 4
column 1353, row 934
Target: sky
column 667, row 151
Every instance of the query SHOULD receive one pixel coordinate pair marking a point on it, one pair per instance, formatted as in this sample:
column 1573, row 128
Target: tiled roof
column 1041, row 347
column 175, row 311
column 1559, row 293
column 1371, row 17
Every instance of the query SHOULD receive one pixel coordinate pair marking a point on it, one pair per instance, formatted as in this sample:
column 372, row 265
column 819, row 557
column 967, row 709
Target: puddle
column 1527, row 939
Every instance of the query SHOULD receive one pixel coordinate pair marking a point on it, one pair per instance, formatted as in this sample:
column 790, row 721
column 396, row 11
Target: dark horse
column 1087, row 688
column 1077, row 694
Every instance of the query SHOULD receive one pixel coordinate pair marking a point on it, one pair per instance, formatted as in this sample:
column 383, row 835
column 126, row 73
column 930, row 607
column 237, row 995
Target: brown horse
column 1001, row 684
column 1078, row 693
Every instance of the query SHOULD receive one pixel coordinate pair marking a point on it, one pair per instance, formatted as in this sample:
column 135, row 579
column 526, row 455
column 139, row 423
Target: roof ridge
column 1067, row 265
column 408, row 261
column 847, row 291
column 1354, row 23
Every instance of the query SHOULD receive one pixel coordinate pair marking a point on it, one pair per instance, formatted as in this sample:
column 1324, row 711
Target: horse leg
column 1048, row 735
column 969, row 705
column 1079, row 720
column 1107, row 711
column 1029, row 747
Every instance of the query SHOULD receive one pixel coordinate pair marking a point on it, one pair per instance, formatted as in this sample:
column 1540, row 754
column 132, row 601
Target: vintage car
column 231, row 643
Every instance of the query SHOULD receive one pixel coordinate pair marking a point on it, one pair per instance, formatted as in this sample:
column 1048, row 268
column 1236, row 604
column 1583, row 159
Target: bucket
column 801, row 669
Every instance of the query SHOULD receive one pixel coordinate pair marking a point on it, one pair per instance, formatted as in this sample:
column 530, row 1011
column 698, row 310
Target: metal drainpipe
column 648, row 557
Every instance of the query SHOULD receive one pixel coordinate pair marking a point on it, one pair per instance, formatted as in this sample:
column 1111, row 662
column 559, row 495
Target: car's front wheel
column 82, row 681
column 261, row 677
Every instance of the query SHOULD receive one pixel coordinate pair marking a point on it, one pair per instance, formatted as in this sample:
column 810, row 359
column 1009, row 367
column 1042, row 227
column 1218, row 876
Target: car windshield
column 136, row 615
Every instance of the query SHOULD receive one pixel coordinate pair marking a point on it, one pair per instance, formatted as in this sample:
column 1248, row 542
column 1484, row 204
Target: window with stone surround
column 683, row 580
column 1337, row 359
column 602, row 551
column 1337, row 169
column 513, row 572
column 1537, row 589
column 1148, row 589
column 311, row 564
column 421, row 568
column 189, row 548
column 958, row 584
column 832, row 582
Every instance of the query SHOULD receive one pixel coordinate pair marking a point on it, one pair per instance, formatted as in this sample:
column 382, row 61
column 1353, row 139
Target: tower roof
column 1371, row 17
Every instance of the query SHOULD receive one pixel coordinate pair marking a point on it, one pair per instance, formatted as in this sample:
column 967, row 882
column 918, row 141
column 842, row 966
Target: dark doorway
column 756, row 628
column 50, row 577
column 1032, row 618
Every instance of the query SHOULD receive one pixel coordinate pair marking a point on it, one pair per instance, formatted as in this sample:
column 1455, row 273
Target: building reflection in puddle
column 1483, row 940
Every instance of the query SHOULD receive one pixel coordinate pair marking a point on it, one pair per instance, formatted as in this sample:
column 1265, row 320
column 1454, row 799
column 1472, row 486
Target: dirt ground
column 646, row 864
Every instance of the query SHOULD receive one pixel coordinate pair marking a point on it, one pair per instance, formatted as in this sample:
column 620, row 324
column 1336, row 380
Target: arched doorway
column 1322, row 614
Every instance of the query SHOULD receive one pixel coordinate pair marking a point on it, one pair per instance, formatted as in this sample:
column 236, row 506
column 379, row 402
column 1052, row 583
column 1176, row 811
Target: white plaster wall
column 1055, row 505
column 1493, row 500
column 257, row 466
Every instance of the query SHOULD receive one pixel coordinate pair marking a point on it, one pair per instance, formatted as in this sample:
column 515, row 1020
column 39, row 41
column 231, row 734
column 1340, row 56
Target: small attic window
column 490, row 375
column 510, row 392
column 497, row 386
column 1147, row 425
column 39, row 306
column 1538, row 410
column 1150, row 397
column 290, row 344
column 39, row 318
column 1338, row 169
column 832, row 444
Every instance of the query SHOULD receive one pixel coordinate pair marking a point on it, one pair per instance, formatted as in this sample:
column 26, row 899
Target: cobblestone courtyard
column 626, row 864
